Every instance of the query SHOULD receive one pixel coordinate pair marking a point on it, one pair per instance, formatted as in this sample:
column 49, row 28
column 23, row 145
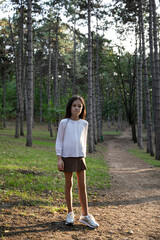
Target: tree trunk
column 56, row 93
column 152, row 65
column 4, row 98
column 156, row 84
column 140, row 142
column 94, row 99
column 134, row 138
column 101, row 121
column 90, row 86
column 137, row 90
column 21, row 73
column 66, row 80
column 49, row 86
column 30, row 77
column 74, row 61
column 108, row 97
column 40, row 103
column 148, row 111
column 97, row 84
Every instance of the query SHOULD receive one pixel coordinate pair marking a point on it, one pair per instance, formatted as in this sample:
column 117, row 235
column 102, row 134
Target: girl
column 71, row 152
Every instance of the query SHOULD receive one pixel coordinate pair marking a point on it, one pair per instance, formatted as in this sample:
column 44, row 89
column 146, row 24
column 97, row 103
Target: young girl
column 71, row 152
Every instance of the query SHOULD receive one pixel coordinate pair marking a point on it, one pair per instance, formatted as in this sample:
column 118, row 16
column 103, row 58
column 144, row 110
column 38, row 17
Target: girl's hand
column 60, row 164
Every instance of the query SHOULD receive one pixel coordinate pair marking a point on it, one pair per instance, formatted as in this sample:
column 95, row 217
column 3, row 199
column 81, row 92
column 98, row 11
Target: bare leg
column 68, row 190
column 81, row 177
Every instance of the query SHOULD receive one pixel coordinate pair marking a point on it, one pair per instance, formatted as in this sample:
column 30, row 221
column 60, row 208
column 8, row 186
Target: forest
column 51, row 50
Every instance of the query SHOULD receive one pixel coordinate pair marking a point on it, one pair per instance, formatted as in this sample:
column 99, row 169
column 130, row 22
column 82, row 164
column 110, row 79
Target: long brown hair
column 69, row 105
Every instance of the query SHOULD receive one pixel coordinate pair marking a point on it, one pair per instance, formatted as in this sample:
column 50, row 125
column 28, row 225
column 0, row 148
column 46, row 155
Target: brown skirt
column 74, row 164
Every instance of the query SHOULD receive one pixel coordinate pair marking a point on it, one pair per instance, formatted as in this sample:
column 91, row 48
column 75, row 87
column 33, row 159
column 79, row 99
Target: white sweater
column 72, row 138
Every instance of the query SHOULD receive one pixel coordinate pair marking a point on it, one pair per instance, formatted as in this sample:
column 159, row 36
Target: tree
column 124, row 78
column 49, row 82
column 140, row 142
column 148, row 108
column 155, row 76
column 29, row 75
column 90, row 85
column 21, row 71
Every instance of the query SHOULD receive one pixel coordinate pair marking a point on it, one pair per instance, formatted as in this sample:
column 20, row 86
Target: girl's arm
column 60, row 163
column 59, row 140
column 59, row 145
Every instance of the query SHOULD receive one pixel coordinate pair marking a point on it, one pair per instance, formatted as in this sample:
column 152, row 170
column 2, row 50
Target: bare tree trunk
column 108, row 99
column 30, row 77
column 140, row 142
column 66, row 80
column 74, row 61
column 156, row 83
column 148, row 111
column 26, row 100
column 20, row 73
column 90, row 85
column 98, row 88
column 40, row 104
column 49, row 86
column 56, row 93
column 4, row 98
column 94, row 98
column 137, row 91
column 101, row 121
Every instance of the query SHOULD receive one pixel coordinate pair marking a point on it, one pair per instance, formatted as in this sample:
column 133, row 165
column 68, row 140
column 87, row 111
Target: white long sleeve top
column 72, row 138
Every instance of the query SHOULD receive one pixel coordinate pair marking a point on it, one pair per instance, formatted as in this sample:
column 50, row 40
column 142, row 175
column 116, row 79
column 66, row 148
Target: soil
column 130, row 209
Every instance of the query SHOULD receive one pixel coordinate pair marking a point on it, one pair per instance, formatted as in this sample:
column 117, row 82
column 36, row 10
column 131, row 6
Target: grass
column 145, row 157
column 30, row 175
column 112, row 132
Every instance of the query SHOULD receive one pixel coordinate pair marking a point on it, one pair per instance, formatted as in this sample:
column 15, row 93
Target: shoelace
column 91, row 217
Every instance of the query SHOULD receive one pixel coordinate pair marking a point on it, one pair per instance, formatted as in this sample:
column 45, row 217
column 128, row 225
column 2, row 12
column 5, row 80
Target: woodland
column 51, row 50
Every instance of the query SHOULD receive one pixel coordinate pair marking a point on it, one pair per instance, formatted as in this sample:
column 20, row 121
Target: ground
column 130, row 209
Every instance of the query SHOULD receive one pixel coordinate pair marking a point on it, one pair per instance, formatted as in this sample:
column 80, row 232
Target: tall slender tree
column 90, row 85
column 148, row 108
column 156, row 83
column 21, row 70
column 56, row 58
column 29, row 75
column 49, row 81
column 94, row 94
column 74, row 60
column 140, row 142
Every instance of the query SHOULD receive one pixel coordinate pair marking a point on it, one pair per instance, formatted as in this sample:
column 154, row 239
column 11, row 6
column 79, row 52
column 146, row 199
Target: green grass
column 145, row 157
column 112, row 132
column 31, row 175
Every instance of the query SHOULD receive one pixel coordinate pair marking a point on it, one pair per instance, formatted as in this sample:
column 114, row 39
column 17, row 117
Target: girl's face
column 76, row 109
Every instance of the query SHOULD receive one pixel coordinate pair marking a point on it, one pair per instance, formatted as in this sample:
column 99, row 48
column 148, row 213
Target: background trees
column 71, row 54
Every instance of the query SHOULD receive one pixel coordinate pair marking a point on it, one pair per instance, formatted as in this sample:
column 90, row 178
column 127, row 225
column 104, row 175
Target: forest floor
column 130, row 209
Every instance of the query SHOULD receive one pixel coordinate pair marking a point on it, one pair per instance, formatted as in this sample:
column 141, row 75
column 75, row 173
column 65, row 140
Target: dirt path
column 129, row 210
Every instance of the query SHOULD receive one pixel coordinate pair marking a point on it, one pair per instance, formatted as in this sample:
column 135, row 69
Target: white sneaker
column 89, row 221
column 70, row 219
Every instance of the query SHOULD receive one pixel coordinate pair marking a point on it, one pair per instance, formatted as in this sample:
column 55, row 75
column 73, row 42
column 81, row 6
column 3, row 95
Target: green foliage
column 10, row 105
column 50, row 112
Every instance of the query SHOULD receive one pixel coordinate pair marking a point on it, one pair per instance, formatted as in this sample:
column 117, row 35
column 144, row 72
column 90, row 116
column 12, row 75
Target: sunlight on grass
column 145, row 156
